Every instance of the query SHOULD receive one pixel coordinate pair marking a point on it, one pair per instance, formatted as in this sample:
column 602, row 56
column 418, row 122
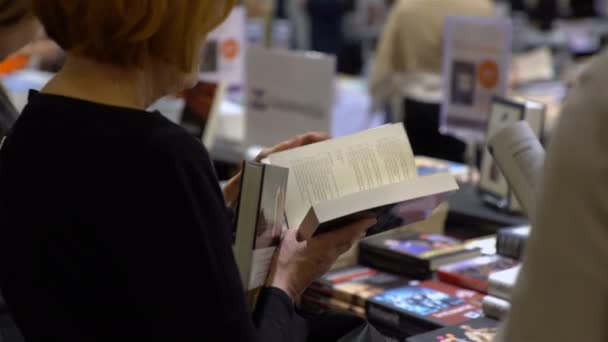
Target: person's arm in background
column 562, row 293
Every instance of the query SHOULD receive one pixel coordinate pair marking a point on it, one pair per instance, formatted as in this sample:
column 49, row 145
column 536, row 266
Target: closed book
column 415, row 251
column 476, row 330
column 511, row 242
column 357, row 284
column 424, row 307
column 495, row 307
column 326, row 303
column 501, row 284
column 260, row 221
column 380, row 261
column 475, row 273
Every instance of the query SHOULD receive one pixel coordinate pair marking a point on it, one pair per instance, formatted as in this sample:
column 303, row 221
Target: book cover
column 270, row 223
column 428, row 250
column 428, row 305
column 357, row 284
column 475, row 273
column 260, row 221
column 476, row 330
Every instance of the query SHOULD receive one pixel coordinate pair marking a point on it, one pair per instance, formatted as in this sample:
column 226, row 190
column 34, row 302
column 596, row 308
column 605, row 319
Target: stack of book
column 349, row 289
column 413, row 255
column 462, row 288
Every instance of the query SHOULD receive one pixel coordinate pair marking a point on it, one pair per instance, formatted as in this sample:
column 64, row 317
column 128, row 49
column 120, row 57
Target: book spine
column 495, row 307
column 462, row 281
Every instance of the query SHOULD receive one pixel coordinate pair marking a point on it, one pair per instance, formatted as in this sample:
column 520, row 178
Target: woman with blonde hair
column 115, row 227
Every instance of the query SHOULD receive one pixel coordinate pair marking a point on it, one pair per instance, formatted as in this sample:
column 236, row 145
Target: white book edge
column 409, row 190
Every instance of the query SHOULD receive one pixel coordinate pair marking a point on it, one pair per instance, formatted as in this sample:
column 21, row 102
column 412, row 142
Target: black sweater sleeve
column 178, row 263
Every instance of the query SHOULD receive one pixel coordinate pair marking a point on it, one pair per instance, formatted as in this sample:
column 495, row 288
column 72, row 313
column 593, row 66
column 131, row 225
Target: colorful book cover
column 419, row 246
column 357, row 284
column 477, row 330
column 475, row 273
column 432, row 303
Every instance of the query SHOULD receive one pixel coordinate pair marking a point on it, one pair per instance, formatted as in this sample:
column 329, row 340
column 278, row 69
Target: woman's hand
column 232, row 188
column 297, row 264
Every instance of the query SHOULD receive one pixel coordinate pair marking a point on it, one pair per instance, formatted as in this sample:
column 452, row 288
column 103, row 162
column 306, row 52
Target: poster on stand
column 223, row 55
column 475, row 69
column 287, row 94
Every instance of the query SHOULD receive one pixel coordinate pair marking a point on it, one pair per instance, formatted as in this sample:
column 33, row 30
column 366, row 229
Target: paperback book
column 476, row 330
column 414, row 254
column 430, row 305
column 338, row 181
column 475, row 273
column 357, row 284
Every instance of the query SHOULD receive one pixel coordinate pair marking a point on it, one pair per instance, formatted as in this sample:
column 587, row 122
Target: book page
column 520, row 156
column 339, row 167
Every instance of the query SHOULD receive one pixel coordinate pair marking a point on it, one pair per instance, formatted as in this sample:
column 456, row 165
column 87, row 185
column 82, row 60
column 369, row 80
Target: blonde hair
column 127, row 32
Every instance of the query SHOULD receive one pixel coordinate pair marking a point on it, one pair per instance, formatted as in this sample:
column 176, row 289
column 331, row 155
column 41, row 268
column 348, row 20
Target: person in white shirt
column 412, row 41
column 562, row 292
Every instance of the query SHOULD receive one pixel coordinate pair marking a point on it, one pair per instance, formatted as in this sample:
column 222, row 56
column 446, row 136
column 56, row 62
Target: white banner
column 476, row 68
column 223, row 57
column 288, row 93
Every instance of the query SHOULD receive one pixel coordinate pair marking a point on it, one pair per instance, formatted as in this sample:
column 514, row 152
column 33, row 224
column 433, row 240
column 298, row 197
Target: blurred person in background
column 562, row 291
column 114, row 224
column 412, row 41
column 326, row 23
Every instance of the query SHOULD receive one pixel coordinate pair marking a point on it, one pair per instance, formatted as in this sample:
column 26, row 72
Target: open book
column 520, row 157
column 335, row 182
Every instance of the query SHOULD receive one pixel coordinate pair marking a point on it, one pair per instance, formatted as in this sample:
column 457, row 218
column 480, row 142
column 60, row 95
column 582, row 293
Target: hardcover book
column 416, row 254
column 475, row 273
column 425, row 307
column 477, row 330
column 337, row 181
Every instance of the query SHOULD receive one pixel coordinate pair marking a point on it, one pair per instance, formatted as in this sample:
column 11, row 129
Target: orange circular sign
column 230, row 48
column 488, row 74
